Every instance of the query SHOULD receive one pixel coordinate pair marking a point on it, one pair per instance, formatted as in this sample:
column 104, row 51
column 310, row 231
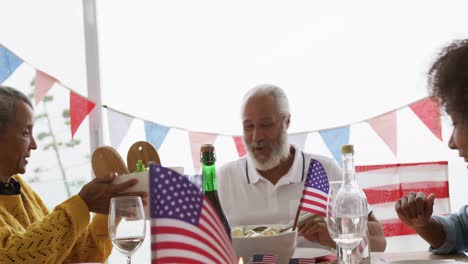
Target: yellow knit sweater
column 29, row 233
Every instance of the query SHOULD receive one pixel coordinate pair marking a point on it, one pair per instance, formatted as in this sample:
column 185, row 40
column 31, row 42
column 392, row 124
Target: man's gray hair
column 8, row 98
column 278, row 94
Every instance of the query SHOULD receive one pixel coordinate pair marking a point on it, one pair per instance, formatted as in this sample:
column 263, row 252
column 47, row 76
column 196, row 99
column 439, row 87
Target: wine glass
column 127, row 224
column 334, row 187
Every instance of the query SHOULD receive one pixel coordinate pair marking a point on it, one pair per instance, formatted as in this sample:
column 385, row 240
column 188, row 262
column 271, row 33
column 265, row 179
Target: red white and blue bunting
column 385, row 125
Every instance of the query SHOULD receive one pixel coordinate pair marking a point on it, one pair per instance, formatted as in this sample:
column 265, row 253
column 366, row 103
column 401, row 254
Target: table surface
column 382, row 257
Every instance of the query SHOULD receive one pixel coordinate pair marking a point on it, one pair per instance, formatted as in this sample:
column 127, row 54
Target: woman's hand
column 98, row 193
column 415, row 210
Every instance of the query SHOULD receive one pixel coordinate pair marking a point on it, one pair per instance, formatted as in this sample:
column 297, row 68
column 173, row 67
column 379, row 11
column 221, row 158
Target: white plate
column 440, row 261
column 311, row 252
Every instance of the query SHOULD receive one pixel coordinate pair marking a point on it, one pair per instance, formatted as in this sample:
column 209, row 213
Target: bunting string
column 384, row 125
column 80, row 106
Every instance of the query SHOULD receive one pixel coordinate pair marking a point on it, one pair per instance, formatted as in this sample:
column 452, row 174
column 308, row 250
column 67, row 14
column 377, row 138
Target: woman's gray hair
column 268, row 89
column 8, row 98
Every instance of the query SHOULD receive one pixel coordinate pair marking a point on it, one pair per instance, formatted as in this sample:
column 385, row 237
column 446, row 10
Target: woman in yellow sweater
column 29, row 233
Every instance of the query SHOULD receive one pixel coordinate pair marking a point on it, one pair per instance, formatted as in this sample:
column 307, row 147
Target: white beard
column 280, row 152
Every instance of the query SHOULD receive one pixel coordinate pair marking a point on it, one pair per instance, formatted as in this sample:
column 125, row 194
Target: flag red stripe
column 227, row 246
column 184, row 232
column 394, row 227
column 182, row 246
column 314, row 194
column 217, row 222
column 221, row 236
column 386, row 166
column 391, row 193
column 217, row 239
column 180, row 260
column 312, row 202
column 310, row 210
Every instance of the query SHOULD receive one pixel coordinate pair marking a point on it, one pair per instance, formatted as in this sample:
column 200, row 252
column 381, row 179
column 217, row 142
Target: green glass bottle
column 208, row 159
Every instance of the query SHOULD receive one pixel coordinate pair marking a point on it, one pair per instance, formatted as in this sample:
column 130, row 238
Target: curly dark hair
column 448, row 78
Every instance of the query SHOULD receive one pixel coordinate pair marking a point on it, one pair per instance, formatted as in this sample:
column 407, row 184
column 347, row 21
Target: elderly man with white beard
column 265, row 187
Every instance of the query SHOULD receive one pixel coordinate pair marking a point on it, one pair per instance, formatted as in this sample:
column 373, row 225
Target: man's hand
column 98, row 193
column 415, row 210
column 315, row 229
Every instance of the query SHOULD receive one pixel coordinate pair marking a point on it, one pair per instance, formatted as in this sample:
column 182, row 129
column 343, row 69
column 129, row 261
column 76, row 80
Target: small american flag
column 302, row 261
column 184, row 226
column 314, row 196
column 264, row 259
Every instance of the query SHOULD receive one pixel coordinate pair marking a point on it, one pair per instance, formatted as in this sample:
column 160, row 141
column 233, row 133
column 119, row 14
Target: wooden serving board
column 143, row 151
column 106, row 160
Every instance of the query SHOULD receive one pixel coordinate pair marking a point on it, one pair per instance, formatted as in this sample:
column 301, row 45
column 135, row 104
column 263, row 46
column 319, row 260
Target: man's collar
column 251, row 173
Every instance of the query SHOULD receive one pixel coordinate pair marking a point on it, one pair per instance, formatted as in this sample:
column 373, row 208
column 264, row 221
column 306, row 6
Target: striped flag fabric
column 314, row 196
column 184, row 225
column 384, row 184
column 264, row 259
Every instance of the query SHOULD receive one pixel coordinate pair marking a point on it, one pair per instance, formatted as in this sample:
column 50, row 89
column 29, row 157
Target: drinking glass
column 127, row 225
column 331, row 221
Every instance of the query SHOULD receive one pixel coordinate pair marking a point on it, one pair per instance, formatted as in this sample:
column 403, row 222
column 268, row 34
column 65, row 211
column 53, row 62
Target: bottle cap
column 207, row 148
column 345, row 149
column 207, row 154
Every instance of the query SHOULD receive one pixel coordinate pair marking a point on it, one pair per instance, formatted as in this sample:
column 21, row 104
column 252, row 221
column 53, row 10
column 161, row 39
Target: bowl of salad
column 263, row 240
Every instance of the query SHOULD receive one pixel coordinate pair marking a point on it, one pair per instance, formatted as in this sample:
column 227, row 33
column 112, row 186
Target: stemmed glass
column 331, row 219
column 127, row 224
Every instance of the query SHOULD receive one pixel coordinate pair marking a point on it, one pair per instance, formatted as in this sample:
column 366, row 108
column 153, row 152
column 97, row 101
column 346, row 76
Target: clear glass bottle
column 209, row 184
column 350, row 208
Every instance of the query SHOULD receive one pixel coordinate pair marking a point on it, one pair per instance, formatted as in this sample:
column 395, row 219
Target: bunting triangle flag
column 386, row 127
column 334, row 138
column 155, row 133
column 80, row 108
column 298, row 140
column 43, row 84
column 197, row 139
column 240, row 146
column 9, row 62
column 118, row 124
column 428, row 112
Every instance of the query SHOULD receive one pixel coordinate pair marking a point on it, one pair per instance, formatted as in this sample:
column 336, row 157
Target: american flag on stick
column 184, row 225
column 264, row 259
column 315, row 194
